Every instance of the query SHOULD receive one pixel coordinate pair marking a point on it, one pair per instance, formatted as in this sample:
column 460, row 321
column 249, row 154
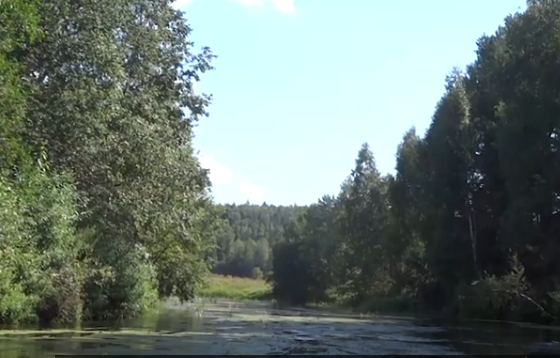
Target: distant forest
column 247, row 236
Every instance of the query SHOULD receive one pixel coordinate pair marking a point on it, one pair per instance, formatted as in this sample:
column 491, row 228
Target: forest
column 247, row 236
column 105, row 209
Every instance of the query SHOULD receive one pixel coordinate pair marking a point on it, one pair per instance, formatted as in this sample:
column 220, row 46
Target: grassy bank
column 236, row 288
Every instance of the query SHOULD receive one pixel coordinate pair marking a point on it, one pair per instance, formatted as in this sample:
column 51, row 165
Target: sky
column 299, row 85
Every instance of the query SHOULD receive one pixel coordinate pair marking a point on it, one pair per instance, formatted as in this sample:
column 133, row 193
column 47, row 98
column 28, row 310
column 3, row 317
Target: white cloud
column 219, row 174
column 254, row 192
column 285, row 6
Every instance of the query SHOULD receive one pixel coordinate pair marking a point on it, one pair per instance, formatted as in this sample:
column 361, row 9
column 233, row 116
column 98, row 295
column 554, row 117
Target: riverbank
column 242, row 289
column 460, row 311
column 236, row 288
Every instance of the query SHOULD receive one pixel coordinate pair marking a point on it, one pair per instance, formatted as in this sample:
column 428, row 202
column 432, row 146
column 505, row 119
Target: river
column 226, row 327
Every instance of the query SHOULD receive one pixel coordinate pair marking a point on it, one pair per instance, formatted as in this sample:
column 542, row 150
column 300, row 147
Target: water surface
column 227, row 327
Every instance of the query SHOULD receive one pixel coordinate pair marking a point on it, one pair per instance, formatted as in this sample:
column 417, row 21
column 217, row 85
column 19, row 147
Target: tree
column 364, row 226
column 528, row 138
column 408, row 199
column 110, row 80
column 38, row 246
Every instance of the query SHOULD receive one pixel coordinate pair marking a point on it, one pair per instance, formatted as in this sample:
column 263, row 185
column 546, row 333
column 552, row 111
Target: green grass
column 236, row 288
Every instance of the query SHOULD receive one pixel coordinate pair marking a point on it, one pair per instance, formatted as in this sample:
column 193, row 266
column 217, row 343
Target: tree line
column 470, row 221
column 104, row 207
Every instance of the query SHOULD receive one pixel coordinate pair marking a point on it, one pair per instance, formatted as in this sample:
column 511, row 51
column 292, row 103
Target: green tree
column 110, row 81
column 407, row 197
column 364, row 228
column 528, row 138
column 451, row 242
column 38, row 246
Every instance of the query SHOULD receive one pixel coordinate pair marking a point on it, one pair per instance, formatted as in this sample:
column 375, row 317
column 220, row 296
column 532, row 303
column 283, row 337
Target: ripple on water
column 251, row 328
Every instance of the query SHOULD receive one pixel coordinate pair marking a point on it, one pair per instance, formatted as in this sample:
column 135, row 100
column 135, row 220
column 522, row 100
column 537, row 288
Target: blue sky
column 300, row 85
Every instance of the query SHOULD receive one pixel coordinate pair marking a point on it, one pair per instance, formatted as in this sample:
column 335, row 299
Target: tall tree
column 452, row 242
column 110, row 82
column 528, row 138
column 407, row 196
column 364, row 226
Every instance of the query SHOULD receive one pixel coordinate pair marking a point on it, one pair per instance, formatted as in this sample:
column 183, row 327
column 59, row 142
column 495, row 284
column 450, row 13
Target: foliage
column 247, row 236
column 102, row 92
column 494, row 297
column 304, row 267
column 39, row 249
column 19, row 27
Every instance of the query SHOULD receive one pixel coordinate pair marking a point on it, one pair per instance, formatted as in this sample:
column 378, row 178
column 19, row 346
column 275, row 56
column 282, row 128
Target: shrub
column 38, row 247
column 122, row 284
column 495, row 297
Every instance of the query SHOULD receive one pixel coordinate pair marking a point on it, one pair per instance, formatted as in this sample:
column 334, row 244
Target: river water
column 226, row 327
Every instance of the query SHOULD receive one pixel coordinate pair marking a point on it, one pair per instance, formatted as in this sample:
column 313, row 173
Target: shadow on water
column 257, row 328
column 504, row 338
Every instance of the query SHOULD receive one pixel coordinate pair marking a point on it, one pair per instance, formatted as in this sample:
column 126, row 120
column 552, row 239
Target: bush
column 38, row 248
column 257, row 273
column 122, row 284
column 499, row 298
column 404, row 302
column 15, row 304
